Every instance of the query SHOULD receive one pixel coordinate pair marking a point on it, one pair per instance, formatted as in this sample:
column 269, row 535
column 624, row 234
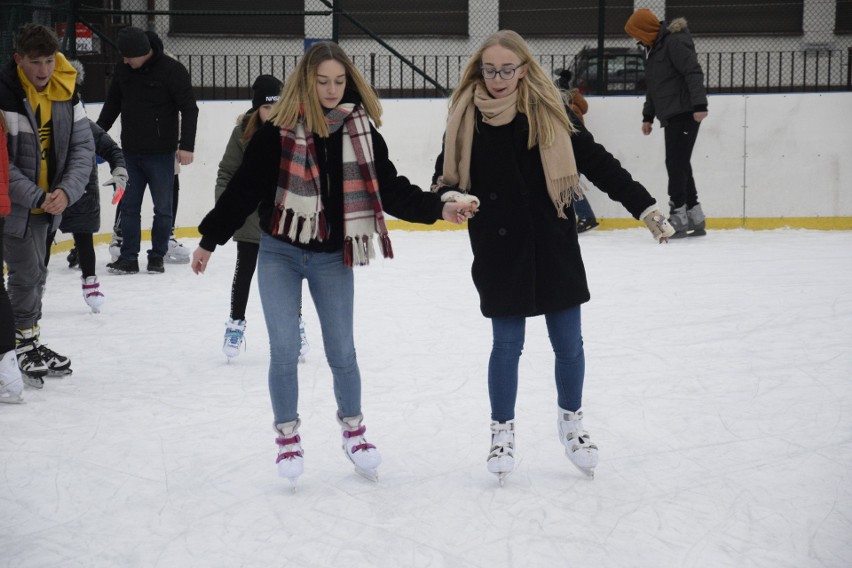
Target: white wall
column 757, row 155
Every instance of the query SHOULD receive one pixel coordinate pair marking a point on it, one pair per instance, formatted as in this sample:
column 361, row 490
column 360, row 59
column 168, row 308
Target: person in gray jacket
column 677, row 97
column 50, row 159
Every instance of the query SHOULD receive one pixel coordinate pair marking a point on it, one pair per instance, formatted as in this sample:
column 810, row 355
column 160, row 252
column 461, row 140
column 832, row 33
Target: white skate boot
column 177, row 254
column 92, row 293
column 364, row 456
column 234, row 338
column 115, row 245
column 304, row 347
column 11, row 384
column 578, row 445
column 501, row 457
column 290, row 461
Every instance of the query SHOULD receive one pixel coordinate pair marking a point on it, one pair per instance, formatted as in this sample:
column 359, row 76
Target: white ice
column 718, row 388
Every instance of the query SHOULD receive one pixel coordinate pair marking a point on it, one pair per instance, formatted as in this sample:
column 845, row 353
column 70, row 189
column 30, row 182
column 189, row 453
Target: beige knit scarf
column 560, row 169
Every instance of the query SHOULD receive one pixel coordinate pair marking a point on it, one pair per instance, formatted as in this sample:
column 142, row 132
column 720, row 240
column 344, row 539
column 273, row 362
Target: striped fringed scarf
column 299, row 213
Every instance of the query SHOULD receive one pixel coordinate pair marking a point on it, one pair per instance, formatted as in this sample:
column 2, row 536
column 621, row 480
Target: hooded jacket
column 71, row 146
column 149, row 100
column 673, row 75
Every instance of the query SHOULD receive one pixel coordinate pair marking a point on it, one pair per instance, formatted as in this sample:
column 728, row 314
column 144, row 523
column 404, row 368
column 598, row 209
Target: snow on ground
column 718, row 390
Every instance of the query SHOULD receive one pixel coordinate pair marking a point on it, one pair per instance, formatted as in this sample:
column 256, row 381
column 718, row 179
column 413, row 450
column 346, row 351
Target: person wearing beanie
column 266, row 91
column 676, row 96
column 153, row 94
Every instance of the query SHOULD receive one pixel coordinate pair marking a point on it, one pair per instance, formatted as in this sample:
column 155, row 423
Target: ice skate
column 679, row 221
column 304, row 347
column 363, row 455
column 73, row 258
column 57, row 365
column 32, row 366
column 695, row 221
column 177, row 254
column 234, row 338
column 578, row 445
column 92, row 293
column 290, row 461
column 501, row 457
column 115, row 245
column 11, row 382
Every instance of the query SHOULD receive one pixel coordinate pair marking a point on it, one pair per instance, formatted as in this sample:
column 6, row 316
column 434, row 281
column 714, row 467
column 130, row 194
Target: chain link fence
column 418, row 48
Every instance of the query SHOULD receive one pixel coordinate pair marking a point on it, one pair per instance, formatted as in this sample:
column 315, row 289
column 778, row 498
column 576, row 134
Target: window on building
column 561, row 18
column 748, row 17
column 409, row 18
column 843, row 17
column 235, row 24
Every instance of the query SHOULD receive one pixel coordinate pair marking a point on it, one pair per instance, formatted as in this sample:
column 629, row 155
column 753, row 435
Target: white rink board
column 793, row 148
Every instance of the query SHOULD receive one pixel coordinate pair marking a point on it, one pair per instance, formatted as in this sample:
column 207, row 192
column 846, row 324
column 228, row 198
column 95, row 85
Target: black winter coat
column 254, row 185
column 149, row 100
column 84, row 215
column 526, row 260
column 674, row 76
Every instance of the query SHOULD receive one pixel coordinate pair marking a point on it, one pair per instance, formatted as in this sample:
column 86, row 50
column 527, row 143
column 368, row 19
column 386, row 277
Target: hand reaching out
column 200, row 258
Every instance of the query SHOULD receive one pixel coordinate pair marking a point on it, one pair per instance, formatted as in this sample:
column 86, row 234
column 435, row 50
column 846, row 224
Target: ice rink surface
column 718, row 388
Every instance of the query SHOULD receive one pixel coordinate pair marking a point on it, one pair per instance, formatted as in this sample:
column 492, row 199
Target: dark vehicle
column 624, row 71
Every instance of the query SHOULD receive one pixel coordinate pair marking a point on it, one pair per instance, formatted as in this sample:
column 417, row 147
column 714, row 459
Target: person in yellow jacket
column 50, row 158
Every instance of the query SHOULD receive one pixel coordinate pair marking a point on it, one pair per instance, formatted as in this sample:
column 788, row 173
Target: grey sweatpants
column 27, row 272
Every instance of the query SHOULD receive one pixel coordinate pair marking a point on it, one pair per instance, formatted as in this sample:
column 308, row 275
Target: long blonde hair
column 299, row 97
column 538, row 97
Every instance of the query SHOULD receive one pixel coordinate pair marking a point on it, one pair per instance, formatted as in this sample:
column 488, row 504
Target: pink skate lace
column 355, row 433
column 286, row 442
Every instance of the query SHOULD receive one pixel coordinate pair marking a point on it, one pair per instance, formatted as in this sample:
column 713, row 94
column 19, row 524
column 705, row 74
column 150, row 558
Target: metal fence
column 418, row 48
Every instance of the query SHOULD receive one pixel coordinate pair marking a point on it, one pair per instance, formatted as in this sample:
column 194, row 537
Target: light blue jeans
column 281, row 267
column 564, row 330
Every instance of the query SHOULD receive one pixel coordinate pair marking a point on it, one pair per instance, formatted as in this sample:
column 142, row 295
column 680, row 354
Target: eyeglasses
column 505, row 73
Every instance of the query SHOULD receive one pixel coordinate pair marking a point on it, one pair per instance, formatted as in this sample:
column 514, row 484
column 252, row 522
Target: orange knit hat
column 643, row 26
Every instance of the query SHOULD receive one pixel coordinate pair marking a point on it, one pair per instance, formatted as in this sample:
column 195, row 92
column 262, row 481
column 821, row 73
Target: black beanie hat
column 267, row 90
column 133, row 42
column 564, row 81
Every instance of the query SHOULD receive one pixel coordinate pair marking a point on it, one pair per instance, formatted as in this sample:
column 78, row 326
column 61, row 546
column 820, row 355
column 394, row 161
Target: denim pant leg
column 155, row 171
column 583, row 209
column 564, row 330
column 279, row 281
column 332, row 287
column 508, row 343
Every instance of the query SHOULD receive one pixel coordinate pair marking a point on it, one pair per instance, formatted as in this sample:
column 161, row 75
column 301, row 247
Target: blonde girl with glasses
column 512, row 144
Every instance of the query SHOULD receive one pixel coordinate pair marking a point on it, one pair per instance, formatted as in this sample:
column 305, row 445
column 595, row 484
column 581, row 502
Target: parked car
column 624, row 72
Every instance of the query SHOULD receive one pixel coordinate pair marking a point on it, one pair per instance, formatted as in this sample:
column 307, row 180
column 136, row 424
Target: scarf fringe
column 357, row 251
column 566, row 190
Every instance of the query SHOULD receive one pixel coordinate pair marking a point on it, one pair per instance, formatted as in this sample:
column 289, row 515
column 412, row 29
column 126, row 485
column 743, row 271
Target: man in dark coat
column 153, row 94
column 676, row 96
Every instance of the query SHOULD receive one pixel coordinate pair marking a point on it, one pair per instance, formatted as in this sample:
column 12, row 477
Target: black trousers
column 681, row 133
column 243, row 273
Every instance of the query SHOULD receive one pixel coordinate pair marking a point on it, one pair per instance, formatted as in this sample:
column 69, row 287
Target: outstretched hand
column 200, row 258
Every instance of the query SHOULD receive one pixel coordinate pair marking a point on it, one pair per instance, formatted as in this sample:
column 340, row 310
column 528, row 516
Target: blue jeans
column 564, row 330
column 156, row 171
column 583, row 209
column 281, row 267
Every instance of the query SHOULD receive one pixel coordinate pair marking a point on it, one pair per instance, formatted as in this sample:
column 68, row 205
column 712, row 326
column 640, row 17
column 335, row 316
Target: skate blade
column 501, row 476
column 370, row 474
column 59, row 373
column 587, row 471
column 9, row 400
column 33, row 381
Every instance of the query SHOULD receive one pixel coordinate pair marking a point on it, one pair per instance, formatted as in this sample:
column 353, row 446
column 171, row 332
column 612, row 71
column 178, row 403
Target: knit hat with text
column 267, row 90
column 643, row 26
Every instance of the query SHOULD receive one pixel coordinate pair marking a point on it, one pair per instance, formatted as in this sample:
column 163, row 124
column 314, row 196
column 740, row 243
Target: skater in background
column 266, row 90
column 153, row 94
column 510, row 143
column 11, row 384
column 50, row 151
column 676, row 96
column 586, row 219
column 320, row 177
column 83, row 218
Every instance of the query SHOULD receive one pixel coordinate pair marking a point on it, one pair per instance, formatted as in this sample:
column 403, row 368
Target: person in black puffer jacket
column 153, row 94
column 676, row 96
